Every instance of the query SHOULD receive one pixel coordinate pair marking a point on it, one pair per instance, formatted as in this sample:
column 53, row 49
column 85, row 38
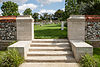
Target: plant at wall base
column 12, row 42
column 88, row 61
column 11, row 58
column 89, row 42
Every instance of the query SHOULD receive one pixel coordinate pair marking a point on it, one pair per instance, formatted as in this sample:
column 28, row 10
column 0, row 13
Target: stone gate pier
column 15, row 28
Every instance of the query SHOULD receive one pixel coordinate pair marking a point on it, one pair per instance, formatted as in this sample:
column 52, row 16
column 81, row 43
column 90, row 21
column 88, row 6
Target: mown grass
column 50, row 31
column 96, row 54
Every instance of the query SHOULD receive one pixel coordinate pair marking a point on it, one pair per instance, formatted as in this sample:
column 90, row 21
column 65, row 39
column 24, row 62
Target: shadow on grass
column 58, row 25
column 51, row 33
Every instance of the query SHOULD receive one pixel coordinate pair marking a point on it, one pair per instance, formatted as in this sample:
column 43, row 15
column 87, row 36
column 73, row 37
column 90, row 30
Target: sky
column 40, row 6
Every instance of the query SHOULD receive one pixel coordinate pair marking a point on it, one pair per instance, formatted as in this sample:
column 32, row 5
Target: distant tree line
column 72, row 7
column 11, row 9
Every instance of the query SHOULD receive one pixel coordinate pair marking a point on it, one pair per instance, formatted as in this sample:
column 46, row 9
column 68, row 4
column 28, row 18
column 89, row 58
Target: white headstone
column 62, row 25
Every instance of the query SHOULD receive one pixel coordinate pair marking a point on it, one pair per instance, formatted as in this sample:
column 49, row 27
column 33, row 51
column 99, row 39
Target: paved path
column 49, row 65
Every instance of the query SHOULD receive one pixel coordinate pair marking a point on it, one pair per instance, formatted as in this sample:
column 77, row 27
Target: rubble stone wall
column 8, row 30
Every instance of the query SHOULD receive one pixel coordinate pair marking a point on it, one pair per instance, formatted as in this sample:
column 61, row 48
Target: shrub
column 11, row 58
column 88, row 61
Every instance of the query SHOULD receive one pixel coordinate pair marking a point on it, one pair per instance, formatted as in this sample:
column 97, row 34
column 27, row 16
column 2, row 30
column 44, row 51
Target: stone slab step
column 49, row 41
column 50, row 53
column 49, row 65
column 49, row 48
column 48, row 44
column 50, row 59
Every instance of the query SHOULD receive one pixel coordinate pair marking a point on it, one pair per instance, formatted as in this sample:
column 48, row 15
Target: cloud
column 25, row 6
column 44, row 2
column 47, row 11
column 17, row 1
column 0, row 12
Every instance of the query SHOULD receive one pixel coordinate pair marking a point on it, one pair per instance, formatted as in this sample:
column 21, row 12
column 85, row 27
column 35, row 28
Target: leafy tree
column 71, row 7
column 35, row 16
column 59, row 14
column 90, row 8
column 28, row 11
column 9, row 8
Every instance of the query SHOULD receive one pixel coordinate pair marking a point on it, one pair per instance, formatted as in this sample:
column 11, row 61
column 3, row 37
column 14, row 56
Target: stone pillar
column 76, row 27
column 25, row 28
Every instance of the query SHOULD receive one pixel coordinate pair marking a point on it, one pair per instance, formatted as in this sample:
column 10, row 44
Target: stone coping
column 20, row 44
column 80, row 43
column 22, row 47
column 80, row 48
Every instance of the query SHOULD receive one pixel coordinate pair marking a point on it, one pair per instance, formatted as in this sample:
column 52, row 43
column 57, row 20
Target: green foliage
column 88, row 61
column 96, row 55
column 35, row 16
column 28, row 11
column 9, row 8
column 89, row 42
column 83, row 7
column 71, row 7
column 90, row 9
column 11, row 58
column 59, row 14
column 13, row 42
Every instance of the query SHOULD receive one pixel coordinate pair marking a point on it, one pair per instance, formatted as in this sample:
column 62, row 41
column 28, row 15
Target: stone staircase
column 50, row 51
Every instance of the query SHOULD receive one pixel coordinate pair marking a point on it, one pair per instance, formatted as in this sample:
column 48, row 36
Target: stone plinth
column 22, row 47
column 76, row 27
column 80, row 48
column 25, row 28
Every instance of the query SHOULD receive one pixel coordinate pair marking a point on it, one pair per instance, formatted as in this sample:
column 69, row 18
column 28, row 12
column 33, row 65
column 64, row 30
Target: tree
column 35, row 16
column 59, row 14
column 90, row 7
column 71, row 7
column 9, row 8
column 28, row 11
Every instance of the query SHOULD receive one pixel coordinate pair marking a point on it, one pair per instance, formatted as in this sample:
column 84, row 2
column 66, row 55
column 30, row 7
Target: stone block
column 80, row 48
column 22, row 47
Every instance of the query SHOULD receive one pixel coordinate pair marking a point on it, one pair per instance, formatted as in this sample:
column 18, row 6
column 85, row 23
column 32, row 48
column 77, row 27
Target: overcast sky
column 40, row 6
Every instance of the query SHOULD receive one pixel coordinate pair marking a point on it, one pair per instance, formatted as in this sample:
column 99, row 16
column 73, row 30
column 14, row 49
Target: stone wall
column 93, row 31
column 92, row 27
column 8, row 30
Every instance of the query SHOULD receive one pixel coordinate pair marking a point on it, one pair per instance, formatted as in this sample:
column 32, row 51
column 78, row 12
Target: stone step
column 50, row 53
column 46, row 59
column 50, row 41
column 49, row 48
column 49, row 44
column 49, row 64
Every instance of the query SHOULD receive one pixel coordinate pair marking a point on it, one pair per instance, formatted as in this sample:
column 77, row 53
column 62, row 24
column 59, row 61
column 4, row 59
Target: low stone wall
column 95, row 44
column 4, row 44
column 22, row 47
column 80, row 48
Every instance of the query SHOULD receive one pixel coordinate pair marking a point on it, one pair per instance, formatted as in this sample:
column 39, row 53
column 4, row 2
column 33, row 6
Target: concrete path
column 49, row 65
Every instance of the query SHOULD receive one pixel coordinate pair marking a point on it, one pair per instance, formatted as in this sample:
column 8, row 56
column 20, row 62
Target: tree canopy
column 9, row 8
column 35, row 16
column 89, row 7
column 59, row 14
column 28, row 11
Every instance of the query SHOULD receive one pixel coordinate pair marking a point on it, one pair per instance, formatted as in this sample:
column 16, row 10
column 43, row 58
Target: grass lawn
column 50, row 31
column 96, row 54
